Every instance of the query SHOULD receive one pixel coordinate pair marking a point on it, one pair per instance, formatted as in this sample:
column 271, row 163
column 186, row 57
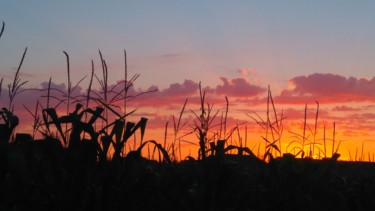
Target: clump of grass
column 309, row 139
column 7, row 115
column 300, row 139
column 273, row 127
column 203, row 123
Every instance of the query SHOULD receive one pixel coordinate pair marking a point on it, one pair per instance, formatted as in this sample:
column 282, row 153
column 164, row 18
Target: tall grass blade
column 1, row 86
column 2, row 29
column 14, row 87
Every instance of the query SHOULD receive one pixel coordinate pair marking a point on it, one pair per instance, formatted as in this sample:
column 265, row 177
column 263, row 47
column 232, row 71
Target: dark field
column 41, row 175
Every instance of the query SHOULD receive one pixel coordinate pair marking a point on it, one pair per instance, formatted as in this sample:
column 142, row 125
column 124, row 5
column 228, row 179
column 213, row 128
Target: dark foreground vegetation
column 41, row 175
column 82, row 161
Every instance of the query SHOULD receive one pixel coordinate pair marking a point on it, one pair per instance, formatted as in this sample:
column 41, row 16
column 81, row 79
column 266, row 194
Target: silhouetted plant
column 273, row 128
column 37, row 121
column 309, row 139
column 203, row 123
column 177, row 126
column 15, row 87
column 10, row 123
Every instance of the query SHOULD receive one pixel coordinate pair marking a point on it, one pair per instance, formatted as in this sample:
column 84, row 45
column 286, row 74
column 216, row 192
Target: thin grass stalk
column 338, row 146
column 49, row 91
column 333, row 139
column 281, row 130
column 14, row 87
column 363, row 146
column 104, row 83
column 324, row 141
column 278, row 123
column 2, row 29
column 88, row 97
column 1, row 81
column 268, row 116
column 239, row 137
column 369, row 158
column 269, row 123
column 165, row 135
column 125, row 82
column 315, row 126
column 69, row 82
column 135, row 141
column 202, row 131
column 36, row 120
column 173, row 149
column 304, row 131
column 226, row 114
column 69, row 91
column 274, row 109
column 221, row 125
column 48, row 97
column 177, row 126
column 246, row 136
column 179, row 149
column 1, row 86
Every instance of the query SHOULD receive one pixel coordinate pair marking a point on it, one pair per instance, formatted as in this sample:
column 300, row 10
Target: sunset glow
column 317, row 56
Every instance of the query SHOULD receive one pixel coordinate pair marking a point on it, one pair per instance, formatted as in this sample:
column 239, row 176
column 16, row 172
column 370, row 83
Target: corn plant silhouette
column 7, row 115
column 10, row 122
column 273, row 127
column 203, row 123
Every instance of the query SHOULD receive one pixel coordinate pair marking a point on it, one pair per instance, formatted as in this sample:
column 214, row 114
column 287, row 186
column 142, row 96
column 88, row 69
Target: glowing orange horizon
column 354, row 124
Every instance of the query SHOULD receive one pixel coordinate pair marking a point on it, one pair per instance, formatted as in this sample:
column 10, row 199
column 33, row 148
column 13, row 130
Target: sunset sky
column 306, row 51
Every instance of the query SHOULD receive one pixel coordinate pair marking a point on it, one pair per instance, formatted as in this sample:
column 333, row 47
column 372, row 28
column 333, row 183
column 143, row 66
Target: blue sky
column 198, row 40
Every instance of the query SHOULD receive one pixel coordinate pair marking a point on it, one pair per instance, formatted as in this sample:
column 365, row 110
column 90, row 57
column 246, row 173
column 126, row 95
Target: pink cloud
column 175, row 95
column 171, row 97
column 328, row 88
column 188, row 88
column 238, row 87
column 246, row 71
column 61, row 86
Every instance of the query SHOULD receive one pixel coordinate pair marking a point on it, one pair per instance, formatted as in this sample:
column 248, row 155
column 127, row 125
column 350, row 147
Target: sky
column 306, row 51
